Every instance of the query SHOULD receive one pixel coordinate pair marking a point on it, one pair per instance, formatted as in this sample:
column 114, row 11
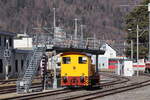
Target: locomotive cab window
column 82, row 60
column 66, row 60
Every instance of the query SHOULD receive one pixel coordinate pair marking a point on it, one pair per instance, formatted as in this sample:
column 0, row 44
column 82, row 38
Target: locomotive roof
column 78, row 53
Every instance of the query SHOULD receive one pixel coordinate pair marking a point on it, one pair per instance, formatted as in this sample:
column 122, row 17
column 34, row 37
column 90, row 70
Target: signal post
column 43, row 67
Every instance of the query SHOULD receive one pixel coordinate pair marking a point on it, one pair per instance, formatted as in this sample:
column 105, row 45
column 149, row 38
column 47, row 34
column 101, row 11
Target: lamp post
column 137, row 45
column 131, row 46
column 131, row 49
column 137, row 54
column 76, row 31
column 149, row 30
column 82, row 36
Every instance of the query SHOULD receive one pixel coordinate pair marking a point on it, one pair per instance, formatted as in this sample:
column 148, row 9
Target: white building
column 109, row 52
column 23, row 42
column 103, row 60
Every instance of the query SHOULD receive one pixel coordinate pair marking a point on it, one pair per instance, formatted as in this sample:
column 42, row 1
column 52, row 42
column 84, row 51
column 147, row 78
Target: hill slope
column 103, row 17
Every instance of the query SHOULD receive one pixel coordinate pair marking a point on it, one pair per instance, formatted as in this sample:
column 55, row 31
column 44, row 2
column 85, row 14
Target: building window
column 9, row 68
column 10, row 42
column 0, row 41
column 4, row 41
column 1, row 66
column 66, row 60
column 16, row 65
column 103, row 64
column 82, row 60
column 22, row 62
column 27, row 63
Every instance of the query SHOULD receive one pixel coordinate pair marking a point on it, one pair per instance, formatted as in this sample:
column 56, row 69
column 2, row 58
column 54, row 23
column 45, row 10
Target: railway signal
column 43, row 66
column 7, row 55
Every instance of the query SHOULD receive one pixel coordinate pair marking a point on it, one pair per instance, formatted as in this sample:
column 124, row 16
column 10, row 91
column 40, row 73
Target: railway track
column 118, row 80
column 101, row 93
column 67, row 94
column 39, row 95
column 65, row 91
column 11, row 89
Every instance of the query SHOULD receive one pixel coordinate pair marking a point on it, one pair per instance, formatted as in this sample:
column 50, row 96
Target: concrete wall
column 102, row 63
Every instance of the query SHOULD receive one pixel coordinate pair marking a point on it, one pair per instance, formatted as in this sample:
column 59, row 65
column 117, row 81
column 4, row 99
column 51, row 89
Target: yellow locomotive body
column 77, row 70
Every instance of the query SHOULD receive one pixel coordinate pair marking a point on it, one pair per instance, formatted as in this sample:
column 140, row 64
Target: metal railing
column 88, row 43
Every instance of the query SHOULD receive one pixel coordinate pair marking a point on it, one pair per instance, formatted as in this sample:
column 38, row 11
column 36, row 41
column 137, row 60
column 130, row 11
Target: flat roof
column 61, row 50
column 22, row 51
column 7, row 33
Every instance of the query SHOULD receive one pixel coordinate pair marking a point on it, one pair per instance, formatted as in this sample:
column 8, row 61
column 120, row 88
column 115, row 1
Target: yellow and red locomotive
column 77, row 70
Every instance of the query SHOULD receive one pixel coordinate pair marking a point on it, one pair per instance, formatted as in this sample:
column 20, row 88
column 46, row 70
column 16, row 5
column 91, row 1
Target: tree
column 138, row 16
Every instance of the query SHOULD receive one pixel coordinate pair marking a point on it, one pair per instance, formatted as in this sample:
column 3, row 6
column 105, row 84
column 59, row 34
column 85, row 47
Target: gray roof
column 22, row 51
column 7, row 33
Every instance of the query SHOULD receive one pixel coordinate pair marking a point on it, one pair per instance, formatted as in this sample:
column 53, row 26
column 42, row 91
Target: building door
column 1, row 66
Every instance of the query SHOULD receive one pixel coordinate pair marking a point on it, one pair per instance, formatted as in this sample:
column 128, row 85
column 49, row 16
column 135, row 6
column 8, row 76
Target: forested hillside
column 103, row 17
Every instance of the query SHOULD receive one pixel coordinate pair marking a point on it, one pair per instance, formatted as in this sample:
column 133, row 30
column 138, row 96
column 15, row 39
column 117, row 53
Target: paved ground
column 137, row 94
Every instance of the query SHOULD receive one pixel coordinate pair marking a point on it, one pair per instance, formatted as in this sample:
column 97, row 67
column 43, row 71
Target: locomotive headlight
column 64, row 79
column 65, row 74
column 82, row 74
column 82, row 79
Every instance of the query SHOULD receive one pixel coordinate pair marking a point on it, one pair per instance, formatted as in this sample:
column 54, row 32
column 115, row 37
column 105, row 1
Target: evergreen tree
column 139, row 16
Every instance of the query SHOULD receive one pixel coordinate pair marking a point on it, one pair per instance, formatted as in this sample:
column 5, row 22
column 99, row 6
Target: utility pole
column 76, row 29
column 54, row 23
column 137, row 55
column 76, row 32
column 149, row 30
column 94, row 41
column 54, row 54
column 81, row 32
column 131, row 49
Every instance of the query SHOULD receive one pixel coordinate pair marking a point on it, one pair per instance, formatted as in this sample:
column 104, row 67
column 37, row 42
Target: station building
column 11, row 58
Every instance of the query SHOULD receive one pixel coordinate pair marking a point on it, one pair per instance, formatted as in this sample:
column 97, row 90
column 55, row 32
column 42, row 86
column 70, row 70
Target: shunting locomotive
column 77, row 70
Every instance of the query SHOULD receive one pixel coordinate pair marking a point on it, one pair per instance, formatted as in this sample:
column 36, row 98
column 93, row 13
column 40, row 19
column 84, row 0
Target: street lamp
column 137, row 44
column 131, row 46
column 137, row 49
column 149, row 30
column 137, row 54
column 82, row 35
